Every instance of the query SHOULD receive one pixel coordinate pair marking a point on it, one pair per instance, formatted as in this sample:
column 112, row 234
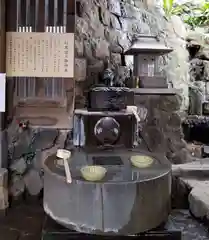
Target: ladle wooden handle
column 67, row 171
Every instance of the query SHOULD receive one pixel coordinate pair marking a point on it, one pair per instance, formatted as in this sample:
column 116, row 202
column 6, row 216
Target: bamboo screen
column 48, row 16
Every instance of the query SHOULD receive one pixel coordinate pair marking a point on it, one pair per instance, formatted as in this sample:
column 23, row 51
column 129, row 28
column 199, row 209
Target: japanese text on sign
column 40, row 54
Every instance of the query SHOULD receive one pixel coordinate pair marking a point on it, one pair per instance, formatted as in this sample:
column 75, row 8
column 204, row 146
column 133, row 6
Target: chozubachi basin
column 127, row 201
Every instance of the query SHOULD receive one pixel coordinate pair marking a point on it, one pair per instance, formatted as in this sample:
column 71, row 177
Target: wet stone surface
column 191, row 228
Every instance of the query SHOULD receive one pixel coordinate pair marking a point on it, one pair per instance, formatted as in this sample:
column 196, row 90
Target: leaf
column 167, row 6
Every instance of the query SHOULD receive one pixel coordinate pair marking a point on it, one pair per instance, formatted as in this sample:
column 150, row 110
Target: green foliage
column 168, row 7
column 194, row 15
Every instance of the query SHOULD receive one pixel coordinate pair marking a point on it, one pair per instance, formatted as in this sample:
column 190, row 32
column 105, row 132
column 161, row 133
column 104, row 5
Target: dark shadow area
column 196, row 129
column 23, row 221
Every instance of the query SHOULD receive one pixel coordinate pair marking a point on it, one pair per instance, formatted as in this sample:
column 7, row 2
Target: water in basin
column 120, row 170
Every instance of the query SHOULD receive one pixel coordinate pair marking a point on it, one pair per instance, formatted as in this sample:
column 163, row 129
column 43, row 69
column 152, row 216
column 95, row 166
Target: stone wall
column 106, row 28
column 199, row 70
column 26, row 150
column 162, row 132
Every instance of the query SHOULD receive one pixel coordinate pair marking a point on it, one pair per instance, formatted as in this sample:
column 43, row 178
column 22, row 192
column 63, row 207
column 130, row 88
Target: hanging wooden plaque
column 40, row 54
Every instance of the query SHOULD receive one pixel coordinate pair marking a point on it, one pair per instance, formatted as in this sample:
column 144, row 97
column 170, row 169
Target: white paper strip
column 2, row 91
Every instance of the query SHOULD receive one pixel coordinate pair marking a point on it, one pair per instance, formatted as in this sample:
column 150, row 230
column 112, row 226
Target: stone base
column 52, row 230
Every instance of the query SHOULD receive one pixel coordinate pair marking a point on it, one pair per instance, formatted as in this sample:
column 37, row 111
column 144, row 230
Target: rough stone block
column 4, row 149
column 127, row 10
column 170, row 103
column 82, row 28
column 80, row 69
column 124, row 40
column 3, row 177
column 101, row 49
column 17, row 186
column 94, row 70
column 182, row 156
column 112, row 37
column 199, row 70
column 18, row 142
column 88, row 51
column 79, row 47
column 154, row 139
column 144, row 3
column 33, row 182
column 114, row 22
column 116, row 59
column 125, row 24
column 203, row 52
column 104, row 16
column 19, row 166
column 114, row 7
column 4, row 202
column 205, row 151
column 199, row 202
column 195, row 150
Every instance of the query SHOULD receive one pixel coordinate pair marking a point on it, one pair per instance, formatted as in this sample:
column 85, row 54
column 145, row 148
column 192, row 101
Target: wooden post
column 3, row 134
column 2, row 36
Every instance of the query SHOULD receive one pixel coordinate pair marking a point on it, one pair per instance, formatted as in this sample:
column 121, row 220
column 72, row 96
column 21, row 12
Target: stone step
column 199, row 202
column 195, row 176
column 196, row 169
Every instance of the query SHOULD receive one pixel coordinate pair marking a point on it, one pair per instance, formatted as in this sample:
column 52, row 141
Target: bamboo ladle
column 65, row 155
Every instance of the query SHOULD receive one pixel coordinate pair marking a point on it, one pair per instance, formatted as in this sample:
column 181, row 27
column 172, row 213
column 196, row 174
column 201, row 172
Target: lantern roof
column 148, row 45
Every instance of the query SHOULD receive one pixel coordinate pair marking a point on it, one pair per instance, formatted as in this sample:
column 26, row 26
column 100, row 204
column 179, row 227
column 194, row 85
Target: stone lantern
column 146, row 51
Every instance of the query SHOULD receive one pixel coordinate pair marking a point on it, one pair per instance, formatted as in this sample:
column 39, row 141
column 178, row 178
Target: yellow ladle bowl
column 141, row 161
column 93, row 173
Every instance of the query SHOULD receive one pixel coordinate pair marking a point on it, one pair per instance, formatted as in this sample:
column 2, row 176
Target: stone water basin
column 127, row 201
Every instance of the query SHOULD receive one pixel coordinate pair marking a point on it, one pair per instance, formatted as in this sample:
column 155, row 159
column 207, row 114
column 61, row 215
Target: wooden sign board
column 40, row 54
